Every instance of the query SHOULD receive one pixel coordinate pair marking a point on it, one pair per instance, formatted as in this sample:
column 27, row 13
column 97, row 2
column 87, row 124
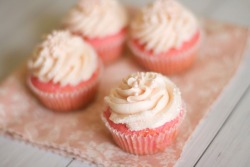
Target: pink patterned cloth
column 82, row 134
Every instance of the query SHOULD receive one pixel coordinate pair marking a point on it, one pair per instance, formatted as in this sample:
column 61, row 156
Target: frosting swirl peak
column 96, row 18
column 163, row 25
column 63, row 58
column 144, row 100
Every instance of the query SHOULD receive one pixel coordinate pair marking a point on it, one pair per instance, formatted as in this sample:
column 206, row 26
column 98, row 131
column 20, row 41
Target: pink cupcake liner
column 144, row 145
column 67, row 101
column 110, row 51
column 166, row 64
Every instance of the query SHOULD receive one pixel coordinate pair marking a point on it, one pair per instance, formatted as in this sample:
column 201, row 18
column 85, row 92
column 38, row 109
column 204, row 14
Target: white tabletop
column 221, row 139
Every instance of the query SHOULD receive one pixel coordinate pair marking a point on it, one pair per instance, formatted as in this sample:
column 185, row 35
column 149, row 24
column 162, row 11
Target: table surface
column 221, row 139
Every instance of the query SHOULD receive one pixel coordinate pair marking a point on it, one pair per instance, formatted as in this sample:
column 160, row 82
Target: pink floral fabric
column 82, row 134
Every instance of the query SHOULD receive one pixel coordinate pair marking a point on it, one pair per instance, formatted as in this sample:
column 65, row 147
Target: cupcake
column 144, row 113
column 164, row 37
column 102, row 23
column 64, row 72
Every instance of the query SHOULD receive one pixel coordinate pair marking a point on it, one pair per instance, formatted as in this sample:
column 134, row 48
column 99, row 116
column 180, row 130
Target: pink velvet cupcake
column 102, row 23
column 144, row 113
column 164, row 37
column 64, row 72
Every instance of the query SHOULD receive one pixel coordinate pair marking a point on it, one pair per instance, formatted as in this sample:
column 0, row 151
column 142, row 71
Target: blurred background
column 23, row 22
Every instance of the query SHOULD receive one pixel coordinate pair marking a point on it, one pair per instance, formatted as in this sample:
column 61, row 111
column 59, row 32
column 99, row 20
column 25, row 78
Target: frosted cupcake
column 164, row 37
column 144, row 113
column 102, row 23
column 64, row 72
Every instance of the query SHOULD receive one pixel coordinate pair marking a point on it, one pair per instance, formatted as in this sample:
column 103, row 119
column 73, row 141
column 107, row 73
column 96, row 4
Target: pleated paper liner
column 165, row 63
column 139, row 143
column 68, row 101
column 110, row 48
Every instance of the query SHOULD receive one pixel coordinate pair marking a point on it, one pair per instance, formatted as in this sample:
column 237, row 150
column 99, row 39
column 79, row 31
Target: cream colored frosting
column 97, row 18
column 144, row 100
column 162, row 25
column 63, row 58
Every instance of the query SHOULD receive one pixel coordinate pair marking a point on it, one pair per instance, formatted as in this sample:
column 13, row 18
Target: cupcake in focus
column 64, row 72
column 164, row 37
column 144, row 113
column 102, row 23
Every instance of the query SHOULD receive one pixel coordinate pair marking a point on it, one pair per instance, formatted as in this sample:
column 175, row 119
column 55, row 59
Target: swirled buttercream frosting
column 96, row 18
column 144, row 100
column 64, row 59
column 163, row 25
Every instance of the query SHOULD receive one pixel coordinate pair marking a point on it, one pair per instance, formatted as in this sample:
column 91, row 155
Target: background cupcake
column 102, row 23
column 164, row 37
column 144, row 113
column 64, row 72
